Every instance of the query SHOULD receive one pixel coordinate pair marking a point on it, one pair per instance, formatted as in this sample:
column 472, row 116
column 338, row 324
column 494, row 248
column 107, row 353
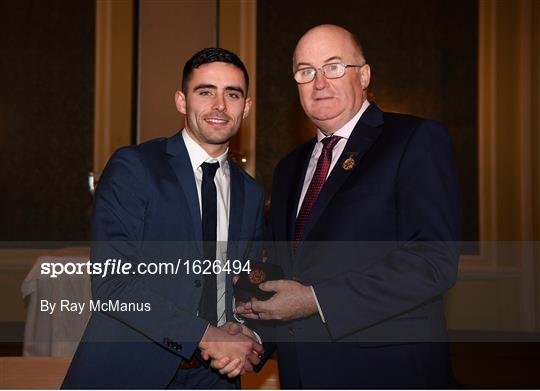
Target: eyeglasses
column 334, row 70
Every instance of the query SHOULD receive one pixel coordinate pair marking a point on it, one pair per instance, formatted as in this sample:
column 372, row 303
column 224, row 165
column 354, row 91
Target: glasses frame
column 321, row 69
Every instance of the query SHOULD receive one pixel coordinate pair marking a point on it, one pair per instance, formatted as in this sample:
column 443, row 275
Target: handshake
column 232, row 349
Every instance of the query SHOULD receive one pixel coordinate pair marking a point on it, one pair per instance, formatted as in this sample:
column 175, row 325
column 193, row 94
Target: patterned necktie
column 208, row 305
column 316, row 184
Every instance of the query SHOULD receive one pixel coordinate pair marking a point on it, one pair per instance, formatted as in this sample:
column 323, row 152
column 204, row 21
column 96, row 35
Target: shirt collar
column 346, row 130
column 197, row 155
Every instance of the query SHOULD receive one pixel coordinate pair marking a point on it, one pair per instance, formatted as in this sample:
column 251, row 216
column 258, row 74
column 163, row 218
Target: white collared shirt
column 222, row 179
column 344, row 132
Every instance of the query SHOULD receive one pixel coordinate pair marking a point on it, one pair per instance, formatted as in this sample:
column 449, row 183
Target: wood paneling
column 508, row 129
column 113, row 113
column 170, row 32
column 238, row 33
column 33, row 372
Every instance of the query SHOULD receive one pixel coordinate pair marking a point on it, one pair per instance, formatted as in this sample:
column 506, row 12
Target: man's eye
column 306, row 71
column 234, row 95
column 205, row 93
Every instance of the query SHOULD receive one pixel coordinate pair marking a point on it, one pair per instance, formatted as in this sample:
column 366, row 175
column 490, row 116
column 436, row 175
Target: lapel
column 236, row 202
column 366, row 131
column 181, row 165
column 299, row 174
column 235, row 248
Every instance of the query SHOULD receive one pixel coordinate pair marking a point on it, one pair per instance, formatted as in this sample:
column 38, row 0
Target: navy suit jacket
column 146, row 209
column 380, row 248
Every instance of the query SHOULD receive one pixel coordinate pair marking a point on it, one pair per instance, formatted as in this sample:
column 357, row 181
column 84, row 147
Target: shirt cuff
column 318, row 305
column 259, row 340
column 242, row 321
column 238, row 319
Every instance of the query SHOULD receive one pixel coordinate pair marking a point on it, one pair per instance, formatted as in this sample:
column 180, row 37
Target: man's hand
column 231, row 351
column 291, row 301
column 235, row 328
column 226, row 364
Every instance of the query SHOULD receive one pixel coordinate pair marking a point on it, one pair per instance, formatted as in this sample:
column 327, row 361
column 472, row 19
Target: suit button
column 197, row 283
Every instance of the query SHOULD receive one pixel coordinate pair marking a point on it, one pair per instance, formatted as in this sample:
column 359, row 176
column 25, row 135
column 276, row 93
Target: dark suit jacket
column 380, row 248
column 147, row 210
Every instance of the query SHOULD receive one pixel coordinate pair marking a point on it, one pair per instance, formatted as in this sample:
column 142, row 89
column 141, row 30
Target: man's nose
column 320, row 80
column 219, row 103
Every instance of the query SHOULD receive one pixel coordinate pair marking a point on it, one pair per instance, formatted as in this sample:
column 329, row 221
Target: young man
column 169, row 198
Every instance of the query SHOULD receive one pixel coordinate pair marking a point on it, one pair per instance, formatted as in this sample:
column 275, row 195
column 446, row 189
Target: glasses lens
column 333, row 71
column 304, row 75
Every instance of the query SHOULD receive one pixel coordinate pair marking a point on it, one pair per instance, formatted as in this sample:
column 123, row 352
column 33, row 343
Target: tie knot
column 209, row 169
column 330, row 142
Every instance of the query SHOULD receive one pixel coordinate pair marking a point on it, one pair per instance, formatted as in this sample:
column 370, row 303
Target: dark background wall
column 423, row 57
column 46, row 118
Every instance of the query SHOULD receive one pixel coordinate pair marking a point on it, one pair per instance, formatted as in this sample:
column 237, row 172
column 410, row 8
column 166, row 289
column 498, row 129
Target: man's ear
column 180, row 102
column 365, row 76
column 247, row 107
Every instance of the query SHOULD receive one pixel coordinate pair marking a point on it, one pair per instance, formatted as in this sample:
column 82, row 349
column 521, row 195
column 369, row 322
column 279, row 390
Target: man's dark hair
column 207, row 56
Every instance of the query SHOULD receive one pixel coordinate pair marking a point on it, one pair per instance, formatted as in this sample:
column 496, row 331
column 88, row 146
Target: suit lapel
column 180, row 163
column 235, row 248
column 364, row 134
column 236, row 202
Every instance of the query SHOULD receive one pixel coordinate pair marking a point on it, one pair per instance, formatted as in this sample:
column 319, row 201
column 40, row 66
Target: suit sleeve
column 263, row 330
column 425, row 263
column 120, row 204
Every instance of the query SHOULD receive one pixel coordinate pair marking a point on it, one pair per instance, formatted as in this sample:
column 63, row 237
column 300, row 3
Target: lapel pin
column 349, row 163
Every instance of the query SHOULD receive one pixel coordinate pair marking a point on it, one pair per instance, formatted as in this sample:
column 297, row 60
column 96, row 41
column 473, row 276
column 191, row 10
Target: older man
column 365, row 217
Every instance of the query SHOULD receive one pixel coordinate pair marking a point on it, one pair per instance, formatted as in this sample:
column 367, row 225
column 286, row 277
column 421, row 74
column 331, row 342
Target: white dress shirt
column 344, row 132
column 222, row 179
